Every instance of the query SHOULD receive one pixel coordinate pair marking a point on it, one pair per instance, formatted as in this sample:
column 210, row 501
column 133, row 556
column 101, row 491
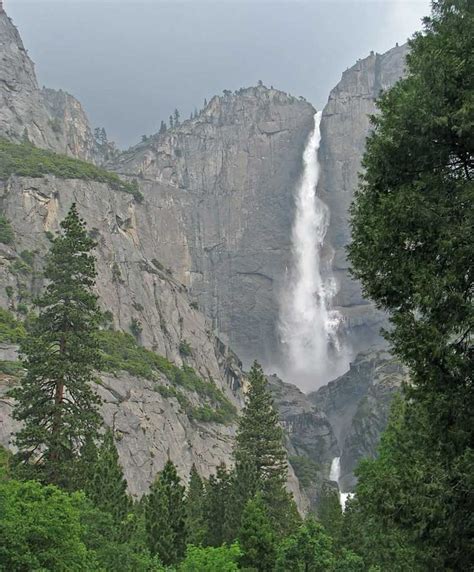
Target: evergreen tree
column 412, row 228
column 216, row 508
column 259, row 447
column 55, row 400
column 195, row 520
column 171, row 122
column 165, row 516
column 256, row 537
column 176, row 117
column 162, row 128
column 330, row 511
column 107, row 487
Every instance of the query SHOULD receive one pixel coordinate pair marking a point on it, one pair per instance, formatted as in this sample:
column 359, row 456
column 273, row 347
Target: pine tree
column 176, row 117
column 107, row 487
column 259, row 447
column 216, row 508
column 55, row 400
column 162, row 128
column 330, row 511
column 165, row 516
column 195, row 521
column 256, row 537
column 171, row 122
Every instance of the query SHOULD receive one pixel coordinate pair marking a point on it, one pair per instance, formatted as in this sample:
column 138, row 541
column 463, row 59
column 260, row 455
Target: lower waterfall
column 335, row 475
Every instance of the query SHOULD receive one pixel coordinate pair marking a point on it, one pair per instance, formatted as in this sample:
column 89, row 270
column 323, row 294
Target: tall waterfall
column 308, row 323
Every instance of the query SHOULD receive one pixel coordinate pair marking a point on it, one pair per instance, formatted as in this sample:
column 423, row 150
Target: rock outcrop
column 220, row 190
column 345, row 125
column 310, row 439
column 357, row 405
column 49, row 119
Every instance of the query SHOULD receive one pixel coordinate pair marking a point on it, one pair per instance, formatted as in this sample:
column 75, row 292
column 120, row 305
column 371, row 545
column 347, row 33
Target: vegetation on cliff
column 26, row 160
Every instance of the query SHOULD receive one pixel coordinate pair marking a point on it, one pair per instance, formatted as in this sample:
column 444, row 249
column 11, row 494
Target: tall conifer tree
column 107, row 487
column 165, row 516
column 55, row 400
column 260, row 454
column 195, row 521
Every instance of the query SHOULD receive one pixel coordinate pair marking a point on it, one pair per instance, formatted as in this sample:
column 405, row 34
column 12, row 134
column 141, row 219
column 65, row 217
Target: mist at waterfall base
column 309, row 325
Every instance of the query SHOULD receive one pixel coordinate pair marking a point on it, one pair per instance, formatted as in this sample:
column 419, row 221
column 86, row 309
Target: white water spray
column 335, row 475
column 308, row 323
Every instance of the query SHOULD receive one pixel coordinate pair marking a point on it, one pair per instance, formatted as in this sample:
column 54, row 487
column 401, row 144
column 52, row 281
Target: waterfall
column 308, row 323
column 335, row 475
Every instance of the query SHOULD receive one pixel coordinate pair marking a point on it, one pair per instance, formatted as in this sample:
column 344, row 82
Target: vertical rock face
column 345, row 125
column 48, row 119
column 225, row 183
column 357, row 405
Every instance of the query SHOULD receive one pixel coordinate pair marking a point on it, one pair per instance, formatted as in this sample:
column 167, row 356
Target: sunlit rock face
column 345, row 125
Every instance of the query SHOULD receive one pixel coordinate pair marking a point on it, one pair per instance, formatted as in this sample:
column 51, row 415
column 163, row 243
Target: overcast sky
column 131, row 62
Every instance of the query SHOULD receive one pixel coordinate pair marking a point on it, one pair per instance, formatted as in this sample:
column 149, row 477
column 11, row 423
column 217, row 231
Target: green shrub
column 185, row 349
column 28, row 257
column 13, row 368
column 136, row 327
column 6, row 231
column 25, row 160
column 11, row 330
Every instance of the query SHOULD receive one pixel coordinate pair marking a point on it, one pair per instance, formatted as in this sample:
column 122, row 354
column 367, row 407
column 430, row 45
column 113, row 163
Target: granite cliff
column 223, row 186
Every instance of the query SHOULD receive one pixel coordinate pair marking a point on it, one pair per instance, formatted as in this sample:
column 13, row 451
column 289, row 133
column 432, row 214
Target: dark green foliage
column 329, row 511
column 5, row 463
column 185, row 348
column 6, row 231
column 11, row 330
column 305, row 469
column 404, row 499
column 122, row 352
column 195, row 520
column 106, row 486
column 308, row 550
column 55, row 400
column 259, row 444
column 136, row 327
column 25, row 160
column 216, row 508
column 13, row 368
column 256, row 537
column 165, row 516
column 210, row 559
column 413, row 225
column 40, row 529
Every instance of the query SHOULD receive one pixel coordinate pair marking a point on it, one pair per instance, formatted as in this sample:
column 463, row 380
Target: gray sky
column 131, row 62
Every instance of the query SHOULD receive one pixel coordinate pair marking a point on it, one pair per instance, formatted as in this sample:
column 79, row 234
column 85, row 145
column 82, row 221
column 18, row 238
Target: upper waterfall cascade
column 309, row 324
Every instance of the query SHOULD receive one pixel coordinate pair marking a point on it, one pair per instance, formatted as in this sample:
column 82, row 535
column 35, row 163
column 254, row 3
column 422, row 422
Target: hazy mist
column 131, row 62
